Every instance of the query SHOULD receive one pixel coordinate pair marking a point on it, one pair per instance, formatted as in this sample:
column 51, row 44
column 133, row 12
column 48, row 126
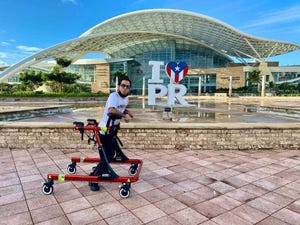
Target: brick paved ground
column 175, row 187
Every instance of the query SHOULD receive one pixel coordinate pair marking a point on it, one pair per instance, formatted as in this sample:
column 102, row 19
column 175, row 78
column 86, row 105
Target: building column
column 230, row 86
column 263, row 83
column 199, row 86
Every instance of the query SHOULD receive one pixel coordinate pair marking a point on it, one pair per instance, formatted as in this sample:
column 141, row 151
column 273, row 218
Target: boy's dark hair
column 124, row 78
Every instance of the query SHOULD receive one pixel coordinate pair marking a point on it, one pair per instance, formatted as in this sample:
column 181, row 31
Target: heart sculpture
column 176, row 71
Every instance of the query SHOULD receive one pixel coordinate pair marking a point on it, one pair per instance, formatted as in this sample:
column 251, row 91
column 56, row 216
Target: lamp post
column 117, row 81
column 262, row 85
column 199, row 86
column 144, row 87
column 230, row 86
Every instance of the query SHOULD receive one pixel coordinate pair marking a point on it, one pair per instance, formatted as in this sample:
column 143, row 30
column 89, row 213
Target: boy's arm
column 126, row 111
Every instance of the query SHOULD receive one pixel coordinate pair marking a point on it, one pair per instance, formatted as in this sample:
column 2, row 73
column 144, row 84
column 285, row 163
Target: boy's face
column 124, row 87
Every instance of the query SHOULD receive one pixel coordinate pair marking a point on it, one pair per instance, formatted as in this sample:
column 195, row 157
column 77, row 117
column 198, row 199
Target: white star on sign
column 177, row 68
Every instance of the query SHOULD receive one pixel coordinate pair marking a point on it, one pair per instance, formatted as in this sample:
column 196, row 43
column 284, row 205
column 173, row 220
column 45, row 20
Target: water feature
column 202, row 111
column 13, row 113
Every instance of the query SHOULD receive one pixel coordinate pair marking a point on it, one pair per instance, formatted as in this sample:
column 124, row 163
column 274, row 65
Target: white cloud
column 290, row 14
column 28, row 48
column 70, row 1
column 2, row 63
column 4, row 43
column 3, row 55
column 137, row 2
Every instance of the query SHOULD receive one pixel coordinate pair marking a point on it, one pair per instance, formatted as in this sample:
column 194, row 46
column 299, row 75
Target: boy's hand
column 129, row 113
column 127, row 117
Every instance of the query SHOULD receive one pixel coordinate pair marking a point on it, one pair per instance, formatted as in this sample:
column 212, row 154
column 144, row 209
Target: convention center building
column 209, row 47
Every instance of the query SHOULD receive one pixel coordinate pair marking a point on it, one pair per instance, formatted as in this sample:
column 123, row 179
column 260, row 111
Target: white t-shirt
column 116, row 101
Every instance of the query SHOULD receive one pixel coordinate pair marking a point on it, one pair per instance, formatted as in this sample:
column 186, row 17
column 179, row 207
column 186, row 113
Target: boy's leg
column 109, row 148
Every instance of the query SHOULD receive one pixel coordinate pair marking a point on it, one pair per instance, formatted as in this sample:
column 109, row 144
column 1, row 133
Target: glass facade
column 87, row 72
column 208, row 83
column 194, row 56
column 14, row 79
column 285, row 76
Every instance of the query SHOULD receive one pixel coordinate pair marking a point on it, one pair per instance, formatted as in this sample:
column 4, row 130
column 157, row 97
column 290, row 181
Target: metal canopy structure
column 133, row 33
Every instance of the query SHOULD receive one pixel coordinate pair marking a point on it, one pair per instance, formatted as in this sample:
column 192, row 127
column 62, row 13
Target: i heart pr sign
column 176, row 71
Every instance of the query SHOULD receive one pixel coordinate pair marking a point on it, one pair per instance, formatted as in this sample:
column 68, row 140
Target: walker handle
column 92, row 122
column 112, row 117
column 79, row 126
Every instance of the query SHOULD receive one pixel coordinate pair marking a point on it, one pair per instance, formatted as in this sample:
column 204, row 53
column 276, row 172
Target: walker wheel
column 47, row 189
column 133, row 169
column 71, row 169
column 124, row 192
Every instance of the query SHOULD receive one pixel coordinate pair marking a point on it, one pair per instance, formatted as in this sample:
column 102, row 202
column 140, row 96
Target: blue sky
column 27, row 27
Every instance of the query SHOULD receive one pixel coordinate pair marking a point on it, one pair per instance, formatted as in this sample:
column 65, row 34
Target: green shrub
column 50, row 94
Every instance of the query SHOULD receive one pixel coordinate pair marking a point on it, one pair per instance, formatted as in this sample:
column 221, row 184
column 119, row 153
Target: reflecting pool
column 202, row 111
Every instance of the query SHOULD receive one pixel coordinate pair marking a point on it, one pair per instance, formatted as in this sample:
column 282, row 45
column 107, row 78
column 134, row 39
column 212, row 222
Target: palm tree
column 254, row 79
column 271, row 87
column 119, row 75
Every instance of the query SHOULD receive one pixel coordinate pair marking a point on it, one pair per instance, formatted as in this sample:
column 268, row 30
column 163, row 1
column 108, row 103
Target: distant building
column 131, row 40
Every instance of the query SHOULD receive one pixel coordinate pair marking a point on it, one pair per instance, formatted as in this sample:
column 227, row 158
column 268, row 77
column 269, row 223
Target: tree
column 31, row 79
column 286, row 88
column 254, row 78
column 119, row 75
column 6, row 88
column 63, row 62
column 57, row 77
column 19, row 87
column 298, row 86
column 271, row 87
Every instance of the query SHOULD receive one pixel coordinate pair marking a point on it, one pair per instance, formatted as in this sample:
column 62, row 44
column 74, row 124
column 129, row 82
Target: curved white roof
column 149, row 30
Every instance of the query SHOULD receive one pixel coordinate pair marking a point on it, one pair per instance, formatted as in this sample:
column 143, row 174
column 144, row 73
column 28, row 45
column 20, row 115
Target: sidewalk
column 175, row 187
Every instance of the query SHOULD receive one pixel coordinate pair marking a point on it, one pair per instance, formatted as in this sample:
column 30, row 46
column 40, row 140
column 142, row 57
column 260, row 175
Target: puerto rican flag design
column 176, row 71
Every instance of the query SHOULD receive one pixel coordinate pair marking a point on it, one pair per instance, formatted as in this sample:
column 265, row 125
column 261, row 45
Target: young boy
column 116, row 103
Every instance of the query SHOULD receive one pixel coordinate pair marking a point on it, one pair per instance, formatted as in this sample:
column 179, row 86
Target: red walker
column 111, row 176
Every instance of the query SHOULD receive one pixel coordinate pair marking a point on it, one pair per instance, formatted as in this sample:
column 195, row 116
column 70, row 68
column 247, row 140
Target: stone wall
column 223, row 74
column 101, row 83
column 179, row 136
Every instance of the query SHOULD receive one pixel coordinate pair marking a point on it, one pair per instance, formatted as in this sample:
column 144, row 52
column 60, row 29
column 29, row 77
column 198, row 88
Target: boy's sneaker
column 94, row 186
